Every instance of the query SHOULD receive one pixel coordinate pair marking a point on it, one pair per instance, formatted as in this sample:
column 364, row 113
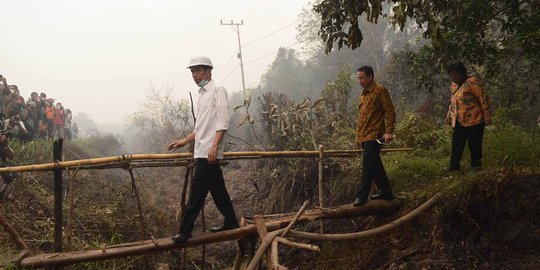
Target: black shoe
column 225, row 227
column 359, row 202
column 181, row 238
column 453, row 169
column 379, row 196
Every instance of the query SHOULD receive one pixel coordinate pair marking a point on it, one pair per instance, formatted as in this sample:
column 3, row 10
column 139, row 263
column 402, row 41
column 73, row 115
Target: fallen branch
column 375, row 231
column 13, row 233
column 287, row 242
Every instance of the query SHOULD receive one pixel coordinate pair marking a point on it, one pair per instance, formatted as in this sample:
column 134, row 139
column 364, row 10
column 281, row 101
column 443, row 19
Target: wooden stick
column 274, row 254
column 287, row 242
column 262, row 232
column 142, row 226
column 4, row 222
column 320, row 166
column 135, row 190
column 187, row 156
column 239, row 249
column 265, row 242
column 296, row 217
column 71, row 206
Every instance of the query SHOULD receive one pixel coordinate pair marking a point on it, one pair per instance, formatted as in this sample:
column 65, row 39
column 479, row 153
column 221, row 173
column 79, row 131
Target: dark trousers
column 473, row 136
column 373, row 169
column 207, row 178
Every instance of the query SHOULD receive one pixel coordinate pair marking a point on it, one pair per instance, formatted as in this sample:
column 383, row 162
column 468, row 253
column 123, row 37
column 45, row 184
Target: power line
column 257, row 8
column 250, row 5
column 271, row 33
column 230, row 73
column 230, row 10
column 223, row 66
column 272, row 53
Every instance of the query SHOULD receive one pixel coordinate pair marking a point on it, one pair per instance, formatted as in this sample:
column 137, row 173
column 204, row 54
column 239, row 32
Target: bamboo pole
column 186, row 157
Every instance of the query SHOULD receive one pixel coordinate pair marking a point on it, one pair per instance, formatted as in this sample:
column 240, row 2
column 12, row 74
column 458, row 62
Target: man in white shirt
column 212, row 121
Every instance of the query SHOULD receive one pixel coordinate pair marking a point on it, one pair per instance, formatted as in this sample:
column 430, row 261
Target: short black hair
column 458, row 67
column 366, row 69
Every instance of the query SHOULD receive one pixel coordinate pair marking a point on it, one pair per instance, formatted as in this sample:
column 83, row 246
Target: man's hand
column 212, row 154
column 388, row 138
column 176, row 144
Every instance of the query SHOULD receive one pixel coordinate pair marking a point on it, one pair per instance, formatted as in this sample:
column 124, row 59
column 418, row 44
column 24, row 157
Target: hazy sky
column 99, row 57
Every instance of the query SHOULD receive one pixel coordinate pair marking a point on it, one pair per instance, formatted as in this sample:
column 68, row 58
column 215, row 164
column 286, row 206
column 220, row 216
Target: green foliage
column 38, row 151
column 508, row 145
column 419, row 132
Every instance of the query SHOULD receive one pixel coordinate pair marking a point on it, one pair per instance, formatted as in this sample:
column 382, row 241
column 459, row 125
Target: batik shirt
column 469, row 103
column 376, row 115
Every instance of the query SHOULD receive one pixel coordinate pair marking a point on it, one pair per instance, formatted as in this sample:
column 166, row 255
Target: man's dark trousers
column 373, row 169
column 207, row 178
column 473, row 136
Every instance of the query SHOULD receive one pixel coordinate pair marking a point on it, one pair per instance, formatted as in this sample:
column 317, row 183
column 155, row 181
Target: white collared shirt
column 212, row 116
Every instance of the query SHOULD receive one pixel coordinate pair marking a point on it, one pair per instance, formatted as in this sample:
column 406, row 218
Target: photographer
column 14, row 127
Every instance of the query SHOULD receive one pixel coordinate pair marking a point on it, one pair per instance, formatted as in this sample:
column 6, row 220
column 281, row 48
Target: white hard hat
column 200, row 60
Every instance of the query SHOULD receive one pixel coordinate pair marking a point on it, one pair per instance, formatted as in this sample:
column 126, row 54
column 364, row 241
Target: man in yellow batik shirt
column 375, row 126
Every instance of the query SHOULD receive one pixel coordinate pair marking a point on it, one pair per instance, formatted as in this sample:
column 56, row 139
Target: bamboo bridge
column 271, row 229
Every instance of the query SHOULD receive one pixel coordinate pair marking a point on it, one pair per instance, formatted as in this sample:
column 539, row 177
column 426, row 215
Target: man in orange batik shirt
column 468, row 114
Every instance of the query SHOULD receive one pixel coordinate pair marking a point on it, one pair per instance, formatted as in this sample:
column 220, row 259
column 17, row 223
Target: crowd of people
column 34, row 118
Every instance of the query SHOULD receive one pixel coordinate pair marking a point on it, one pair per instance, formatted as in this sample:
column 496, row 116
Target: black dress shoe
column 359, row 202
column 181, row 238
column 379, row 196
column 225, row 227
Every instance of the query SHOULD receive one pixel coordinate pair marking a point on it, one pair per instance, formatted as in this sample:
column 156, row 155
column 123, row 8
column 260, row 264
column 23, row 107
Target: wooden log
column 143, row 247
column 186, row 157
column 290, row 243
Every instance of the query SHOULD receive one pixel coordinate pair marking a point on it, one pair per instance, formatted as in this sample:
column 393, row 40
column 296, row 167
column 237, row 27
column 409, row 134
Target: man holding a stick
column 212, row 121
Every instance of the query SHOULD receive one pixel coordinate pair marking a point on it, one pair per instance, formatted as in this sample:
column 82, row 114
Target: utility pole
column 237, row 30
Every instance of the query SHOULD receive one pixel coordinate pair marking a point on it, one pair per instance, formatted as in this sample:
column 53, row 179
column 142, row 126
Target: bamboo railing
column 178, row 159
